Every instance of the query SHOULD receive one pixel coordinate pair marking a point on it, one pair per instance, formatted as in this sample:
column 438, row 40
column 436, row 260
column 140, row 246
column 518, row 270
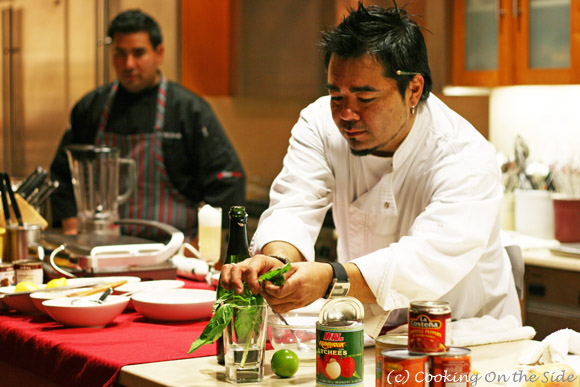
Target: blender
column 100, row 247
column 95, row 176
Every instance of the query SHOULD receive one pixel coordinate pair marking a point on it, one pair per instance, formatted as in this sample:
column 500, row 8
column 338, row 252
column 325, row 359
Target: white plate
column 146, row 286
column 175, row 304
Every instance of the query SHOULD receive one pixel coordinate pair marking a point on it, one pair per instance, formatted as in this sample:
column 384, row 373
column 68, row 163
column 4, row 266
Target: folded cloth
column 488, row 330
column 192, row 268
column 558, row 347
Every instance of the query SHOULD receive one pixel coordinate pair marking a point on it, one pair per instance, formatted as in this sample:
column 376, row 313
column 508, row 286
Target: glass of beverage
column 209, row 221
column 245, row 344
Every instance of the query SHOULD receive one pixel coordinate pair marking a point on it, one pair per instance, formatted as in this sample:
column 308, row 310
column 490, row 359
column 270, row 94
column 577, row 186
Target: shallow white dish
column 175, row 304
column 18, row 301
column 90, row 281
column 146, row 286
column 83, row 312
column 39, row 297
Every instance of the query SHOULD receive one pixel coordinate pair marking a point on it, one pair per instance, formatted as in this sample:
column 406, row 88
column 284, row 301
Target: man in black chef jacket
column 182, row 154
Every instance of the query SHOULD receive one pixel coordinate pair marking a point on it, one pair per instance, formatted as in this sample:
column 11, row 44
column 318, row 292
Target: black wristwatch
column 339, row 286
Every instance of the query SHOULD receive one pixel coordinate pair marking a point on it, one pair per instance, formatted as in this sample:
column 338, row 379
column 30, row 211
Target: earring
column 413, row 109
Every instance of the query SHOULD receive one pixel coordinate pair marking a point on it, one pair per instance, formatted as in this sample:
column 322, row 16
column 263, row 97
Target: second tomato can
column 400, row 368
column 452, row 368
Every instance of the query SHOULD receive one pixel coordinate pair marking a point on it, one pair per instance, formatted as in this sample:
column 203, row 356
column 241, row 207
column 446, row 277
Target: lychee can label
column 340, row 343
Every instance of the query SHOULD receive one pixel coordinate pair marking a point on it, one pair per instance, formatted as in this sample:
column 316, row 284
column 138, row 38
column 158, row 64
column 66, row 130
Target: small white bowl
column 146, row 286
column 83, row 312
column 19, row 301
column 175, row 304
column 39, row 297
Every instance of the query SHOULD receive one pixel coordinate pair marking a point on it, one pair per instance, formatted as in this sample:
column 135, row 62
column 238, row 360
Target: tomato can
column 6, row 274
column 340, row 343
column 402, row 368
column 29, row 271
column 386, row 342
column 451, row 368
column 429, row 324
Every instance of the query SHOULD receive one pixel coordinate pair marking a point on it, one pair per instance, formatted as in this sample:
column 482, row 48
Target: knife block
column 29, row 214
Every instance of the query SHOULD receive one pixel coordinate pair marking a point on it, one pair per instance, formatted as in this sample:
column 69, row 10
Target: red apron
column 155, row 196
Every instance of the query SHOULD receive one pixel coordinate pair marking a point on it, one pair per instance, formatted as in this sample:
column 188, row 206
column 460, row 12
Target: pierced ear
column 416, row 88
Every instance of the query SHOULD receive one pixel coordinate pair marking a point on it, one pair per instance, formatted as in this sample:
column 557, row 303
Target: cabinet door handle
column 499, row 12
column 538, row 290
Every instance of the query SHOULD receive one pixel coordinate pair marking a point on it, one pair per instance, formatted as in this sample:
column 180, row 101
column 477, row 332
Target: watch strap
column 284, row 260
column 339, row 277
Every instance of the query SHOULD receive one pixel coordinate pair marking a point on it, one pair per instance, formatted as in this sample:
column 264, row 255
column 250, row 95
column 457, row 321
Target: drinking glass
column 209, row 220
column 245, row 344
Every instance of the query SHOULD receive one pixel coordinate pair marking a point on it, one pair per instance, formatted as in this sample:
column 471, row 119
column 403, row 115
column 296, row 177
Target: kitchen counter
column 488, row 360
column 545, row 258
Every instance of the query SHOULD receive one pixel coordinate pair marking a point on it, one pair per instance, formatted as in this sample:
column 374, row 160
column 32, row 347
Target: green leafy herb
column 276, row 276
column 246, row 322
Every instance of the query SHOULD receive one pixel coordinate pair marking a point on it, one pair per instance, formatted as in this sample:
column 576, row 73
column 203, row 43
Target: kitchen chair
column 517, row 260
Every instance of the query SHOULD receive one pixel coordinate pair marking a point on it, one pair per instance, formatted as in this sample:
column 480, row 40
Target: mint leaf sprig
column 223, row 310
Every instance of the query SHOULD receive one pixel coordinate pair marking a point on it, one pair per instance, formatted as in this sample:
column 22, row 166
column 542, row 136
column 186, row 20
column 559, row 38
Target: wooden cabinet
column 514, row 42
column 552, row 299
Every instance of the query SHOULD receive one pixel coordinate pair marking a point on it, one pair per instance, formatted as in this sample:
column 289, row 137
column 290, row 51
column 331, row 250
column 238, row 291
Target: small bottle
column 237, row 251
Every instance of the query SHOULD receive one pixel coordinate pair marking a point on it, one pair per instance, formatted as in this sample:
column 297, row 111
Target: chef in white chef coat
column 414, row 189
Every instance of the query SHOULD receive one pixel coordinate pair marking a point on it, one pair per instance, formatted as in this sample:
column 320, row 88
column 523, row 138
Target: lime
column 25, row 286
column 57, row 282
column 285, row 363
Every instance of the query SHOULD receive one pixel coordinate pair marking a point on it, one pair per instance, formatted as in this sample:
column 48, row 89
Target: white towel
column 488, row 330
column 562, row 346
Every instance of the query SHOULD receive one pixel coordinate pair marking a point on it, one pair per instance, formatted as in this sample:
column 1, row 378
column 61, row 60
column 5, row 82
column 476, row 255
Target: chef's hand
column 234, row 275
column 306, row 282
column 70, row 226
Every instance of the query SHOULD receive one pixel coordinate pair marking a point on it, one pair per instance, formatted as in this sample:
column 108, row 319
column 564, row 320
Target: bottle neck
column 238, row 243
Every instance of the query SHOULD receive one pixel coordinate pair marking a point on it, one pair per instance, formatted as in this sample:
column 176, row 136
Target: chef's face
column 367, row 107
column 136, row 61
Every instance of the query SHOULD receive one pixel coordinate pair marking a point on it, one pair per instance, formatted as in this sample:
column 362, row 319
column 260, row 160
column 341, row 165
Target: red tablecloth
column 94, row 356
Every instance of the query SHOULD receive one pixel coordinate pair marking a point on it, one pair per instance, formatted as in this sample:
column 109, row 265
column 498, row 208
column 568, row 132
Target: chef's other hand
column 234, row 275
column 306, row 282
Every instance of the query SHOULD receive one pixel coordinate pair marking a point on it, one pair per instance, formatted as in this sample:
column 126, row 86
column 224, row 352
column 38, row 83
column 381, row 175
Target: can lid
column 392, row 339
column 341, row 309
column 454, row 351
column 432, row 306
column 402, row 354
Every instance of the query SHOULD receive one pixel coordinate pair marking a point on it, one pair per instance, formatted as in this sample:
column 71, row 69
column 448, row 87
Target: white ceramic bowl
column 20, row 301
column 146, row 286
column 175, row 304
column 39, row 297
column 299, row 335
column 23, row 303
column 83, row 312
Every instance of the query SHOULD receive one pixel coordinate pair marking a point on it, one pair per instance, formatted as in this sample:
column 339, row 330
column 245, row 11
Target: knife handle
column 97, row 289
column 27, row 183
column 35, row 182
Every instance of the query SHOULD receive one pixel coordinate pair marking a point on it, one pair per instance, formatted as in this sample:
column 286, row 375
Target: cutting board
column 29, row 214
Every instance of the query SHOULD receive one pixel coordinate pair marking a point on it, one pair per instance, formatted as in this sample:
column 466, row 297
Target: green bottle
column 237, row 251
